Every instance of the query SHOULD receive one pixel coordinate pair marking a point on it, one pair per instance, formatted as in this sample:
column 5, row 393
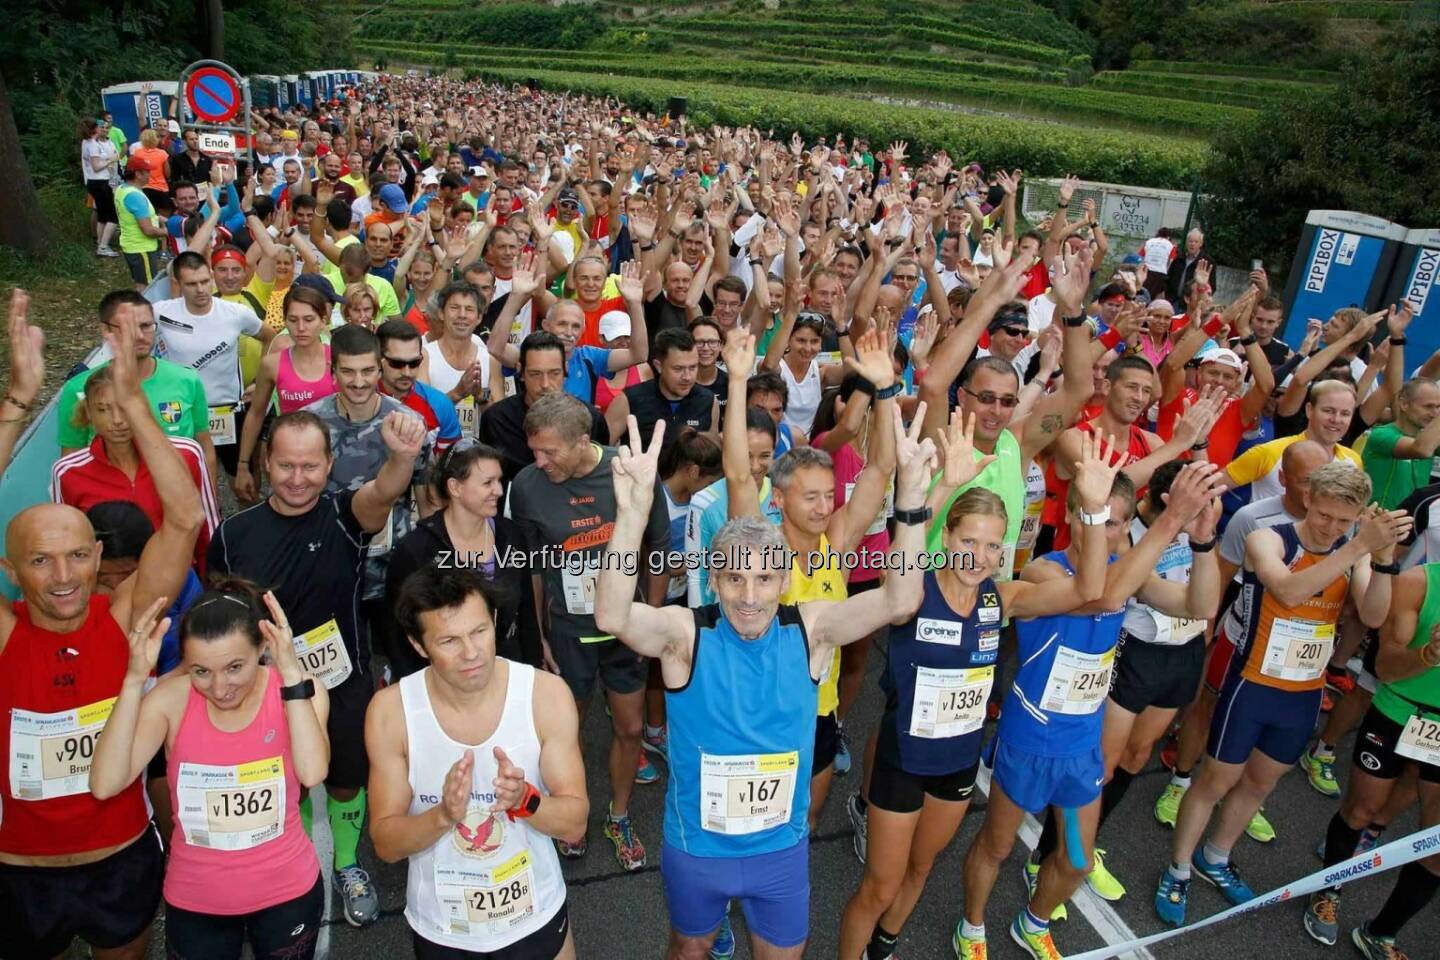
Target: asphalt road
column 622, row 915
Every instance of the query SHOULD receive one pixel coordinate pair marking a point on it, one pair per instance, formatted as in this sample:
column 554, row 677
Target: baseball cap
column 1131, row 260
column 174, row 127
column 479, row 172
column 289, row 135
column 614, row 323
column 1222, row 356
column 393, row 198
column 429, row 180
column 318, row 282
column 136, row 162
column 568, row 195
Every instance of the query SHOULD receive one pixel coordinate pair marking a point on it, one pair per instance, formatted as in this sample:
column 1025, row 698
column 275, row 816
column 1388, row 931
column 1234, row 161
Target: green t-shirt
column 175, row 392
column 1402, row 699
column 1393, row 479
column 384, row 292
column 117, row 137
column 1004, row 477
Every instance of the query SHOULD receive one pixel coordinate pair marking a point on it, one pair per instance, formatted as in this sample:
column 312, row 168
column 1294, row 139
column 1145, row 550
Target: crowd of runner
column 530, row 399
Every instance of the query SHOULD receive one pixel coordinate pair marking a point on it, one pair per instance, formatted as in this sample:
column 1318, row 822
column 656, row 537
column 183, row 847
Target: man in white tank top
column 470, row 781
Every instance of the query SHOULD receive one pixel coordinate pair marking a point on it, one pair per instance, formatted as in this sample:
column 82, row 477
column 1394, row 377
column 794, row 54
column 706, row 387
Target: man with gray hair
column 741, row 705
column 1182, row 268
column 564, row 504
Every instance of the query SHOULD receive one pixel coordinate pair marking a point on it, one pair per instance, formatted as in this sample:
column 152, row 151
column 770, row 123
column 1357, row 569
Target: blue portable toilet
column 1417, row 279
column 127, row 104
column 1344, row 259
column 264, row 91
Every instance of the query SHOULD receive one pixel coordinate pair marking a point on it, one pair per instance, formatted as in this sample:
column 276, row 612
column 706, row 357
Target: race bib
column 322, row 653
column 1298, row 649
column 949, row 703
column 747, row 794
column 222, row 426
column 383, row 539
column 1078, row 682
column 494, row 899
column 579, row 589
column 469, row 417
column 231, row 807
column 50, row 753
column 828, row 358
column 1420, row 740
column 887, row 508
column 1175, row 630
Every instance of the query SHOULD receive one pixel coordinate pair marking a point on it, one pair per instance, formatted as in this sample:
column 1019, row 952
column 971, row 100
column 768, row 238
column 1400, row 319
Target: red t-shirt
column 590, row 336
column 1224, row 436
column 86, row 477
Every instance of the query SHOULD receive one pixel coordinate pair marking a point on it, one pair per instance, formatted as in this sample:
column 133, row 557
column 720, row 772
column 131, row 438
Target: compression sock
column 1414, row 888
column 1340, row 841
column 1049, row 838
column 1113, row 793
column 1214, row 855
column 882, row 944
column 346, row 820
column 972, row 931
column 307, row 816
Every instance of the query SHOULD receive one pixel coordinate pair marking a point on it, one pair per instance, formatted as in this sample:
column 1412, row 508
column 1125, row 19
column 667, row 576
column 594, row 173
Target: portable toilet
column 128, row 104
column 1417, row 280
column 1344, row 259
column 264, row 91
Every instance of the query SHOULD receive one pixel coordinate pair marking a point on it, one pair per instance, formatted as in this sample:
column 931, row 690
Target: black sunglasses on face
column 404, row 364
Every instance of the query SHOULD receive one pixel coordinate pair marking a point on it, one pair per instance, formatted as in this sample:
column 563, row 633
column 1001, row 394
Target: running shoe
column 859, row 823
column 358, row 898
column 1039, row 945
column 1225, row 878
column 1167, row 805
column 645, row 771
column 1170, row 899
column 1339, row 680
column 1322, row 917
column 724, row 946
column 1032, row 880
column 842, row 754
column 658, row 744
column 1259, row 828
column 1102, row 881
column 628, row 848
column 106, row 252
column 1368, row 839
column 1320, row 771
column 965, row 948
column 572, row 851
column 1372, row 947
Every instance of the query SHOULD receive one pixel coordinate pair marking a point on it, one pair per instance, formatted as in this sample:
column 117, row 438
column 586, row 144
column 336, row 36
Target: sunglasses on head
column 404, row 364
column 987, row 398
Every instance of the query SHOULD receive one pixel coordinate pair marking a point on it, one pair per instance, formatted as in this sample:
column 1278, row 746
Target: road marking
column 325, row 850
column 1099, row 914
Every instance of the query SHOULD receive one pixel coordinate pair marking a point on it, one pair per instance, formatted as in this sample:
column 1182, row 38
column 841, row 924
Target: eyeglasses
column 404, row 364
column 1015, row 331
column 986, row 398
column 910, row 277
column 711, row 344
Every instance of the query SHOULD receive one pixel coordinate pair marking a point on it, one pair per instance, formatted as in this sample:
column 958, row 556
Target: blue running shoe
column 724, row 946
column 1170, row 899
column 1224, row 876
column 842, row 755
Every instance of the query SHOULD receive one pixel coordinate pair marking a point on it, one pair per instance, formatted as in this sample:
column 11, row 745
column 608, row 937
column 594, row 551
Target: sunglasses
column 986, row 398
column 1015, row 331
column 404, row 364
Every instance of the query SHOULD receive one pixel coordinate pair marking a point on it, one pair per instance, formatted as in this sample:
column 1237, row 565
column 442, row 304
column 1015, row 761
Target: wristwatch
column 1204, row 546
column 1096, row 519
column 529, row 803
column 1075, row 321
column 914, row 517
column 894, row 390
column 304, row 690
column 1391, row 568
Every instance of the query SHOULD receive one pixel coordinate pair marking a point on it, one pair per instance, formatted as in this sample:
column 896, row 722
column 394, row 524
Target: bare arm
column 743, row 496
column 404, row 435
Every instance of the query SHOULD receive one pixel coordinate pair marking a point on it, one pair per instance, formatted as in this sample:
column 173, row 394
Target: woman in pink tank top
column 244, row 742
column 296, row 376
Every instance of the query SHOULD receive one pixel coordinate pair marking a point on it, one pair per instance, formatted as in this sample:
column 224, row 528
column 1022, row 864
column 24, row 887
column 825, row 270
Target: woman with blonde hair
column 157, row 161
column 360, row 307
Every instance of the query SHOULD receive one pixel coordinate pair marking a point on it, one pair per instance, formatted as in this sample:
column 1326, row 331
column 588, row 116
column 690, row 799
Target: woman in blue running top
column 1047, row 747
column 937, row 683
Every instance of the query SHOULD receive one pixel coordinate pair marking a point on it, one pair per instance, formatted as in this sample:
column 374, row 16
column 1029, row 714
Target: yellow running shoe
column 1102, row 881
column 1038, row 945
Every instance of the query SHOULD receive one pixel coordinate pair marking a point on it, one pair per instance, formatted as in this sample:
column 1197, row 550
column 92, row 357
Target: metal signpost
column 215, row 102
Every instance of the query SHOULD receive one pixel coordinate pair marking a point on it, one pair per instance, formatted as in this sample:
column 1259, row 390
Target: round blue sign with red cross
column 213, row 95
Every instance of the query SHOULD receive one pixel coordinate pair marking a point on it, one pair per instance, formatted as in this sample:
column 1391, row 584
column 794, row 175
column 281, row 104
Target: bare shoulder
column 1039, row 570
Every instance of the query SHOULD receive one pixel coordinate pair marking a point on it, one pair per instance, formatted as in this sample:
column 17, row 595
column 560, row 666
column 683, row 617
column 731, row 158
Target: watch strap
column 894, row 390
column 529, row 803
column 1075, row 321
column 917, row 516
column 1391, row 568
column 304, row 690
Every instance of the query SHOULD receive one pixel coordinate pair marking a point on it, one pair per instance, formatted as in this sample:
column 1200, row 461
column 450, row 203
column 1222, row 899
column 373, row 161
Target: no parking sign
column 213, row 95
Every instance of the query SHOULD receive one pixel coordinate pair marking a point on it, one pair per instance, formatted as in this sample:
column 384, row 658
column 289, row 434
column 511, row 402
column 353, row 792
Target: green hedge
column 803, row 31
column 1044, row 149
column 1202, row 69
column 562, row 28
column 1351, row 9
column 1115, row 109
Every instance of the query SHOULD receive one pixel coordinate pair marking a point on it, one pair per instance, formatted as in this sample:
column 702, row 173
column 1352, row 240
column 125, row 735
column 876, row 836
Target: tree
column 23, row 225
column 1367, row 145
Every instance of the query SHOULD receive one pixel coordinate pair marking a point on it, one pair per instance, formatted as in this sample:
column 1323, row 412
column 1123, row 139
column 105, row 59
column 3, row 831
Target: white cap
column 1224, row 357
column 479, row 171
column 429, row 180
column 614, row 324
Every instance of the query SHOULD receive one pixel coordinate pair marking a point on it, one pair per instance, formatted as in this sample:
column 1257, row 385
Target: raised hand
column 121, row 336
column 403, row 433
column 1067, row 188
column 147, row 633
column 1398, row 318
column 957, row 449
column 872, row 361
column 27, row 350
column 527, row 279
column 897, row 152
column 786, row 217
column 1199, row 418
column 509, row 783
column 635, row 468
column 1069, row 285
column 1380, row 530
column 1100, row 459
column 1202, row 273
column 455, row 794
column 916, row 458
column 1194, row 487
column 280, row 641
column 922, row 340
column 739, row 353
column 632, row 281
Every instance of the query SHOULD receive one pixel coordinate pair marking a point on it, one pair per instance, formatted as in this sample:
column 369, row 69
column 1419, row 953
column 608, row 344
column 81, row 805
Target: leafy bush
column 564, row 28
